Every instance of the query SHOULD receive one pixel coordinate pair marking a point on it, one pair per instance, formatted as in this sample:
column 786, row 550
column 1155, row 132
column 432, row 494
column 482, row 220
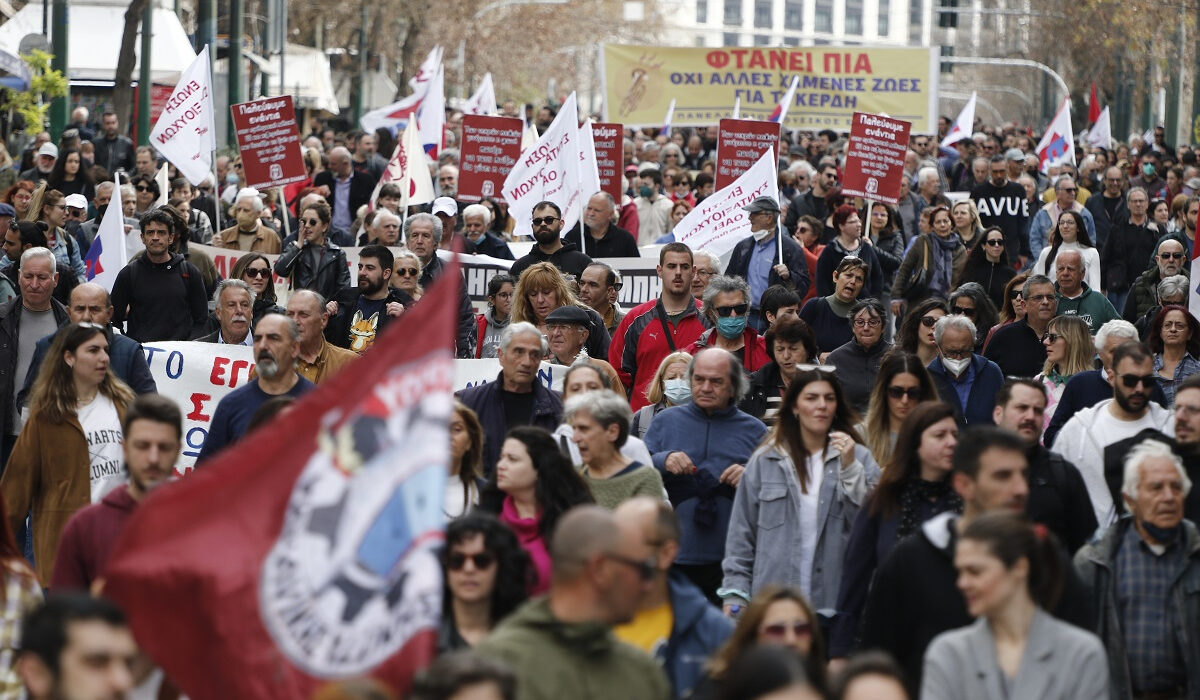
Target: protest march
column 760, row 376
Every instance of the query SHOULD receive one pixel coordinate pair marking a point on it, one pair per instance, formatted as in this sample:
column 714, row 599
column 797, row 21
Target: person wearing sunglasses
column 1046, row 218
column 777, row 616
column 562, row 645
column 915, row 334
column 1085, row 438
column 1170, row 259
column 915, row 487
column 485, row 573
column 901, row 384
column 971, row 301
column 857, row 361
column 727, row 308
column 1069, row 351
column 549, row 247
column 988, row 265
column 407, row 274
column 312, row 261
column 255, row 270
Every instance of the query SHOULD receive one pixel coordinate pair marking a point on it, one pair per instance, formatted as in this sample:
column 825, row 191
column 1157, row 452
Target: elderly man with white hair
column 1077, row 298
column 1142, row 577
column 476, row 219
column 965, row 380
column 385, row 229
column 249, row 233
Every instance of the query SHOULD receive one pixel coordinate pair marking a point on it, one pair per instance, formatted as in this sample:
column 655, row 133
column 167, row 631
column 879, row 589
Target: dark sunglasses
column 929, row 321
column 1171, row 256
column 1070, row 190
column 995, row 242
column 538, row 221
column 143, row 188
column 311, row 222
column 899, row 392
column 482, row 560
column 779, row 629
column 645, row 569
column 1132, row 380
column 257, row 272
column 1050, row 337
column 407, row 271
column 964, row 311
column 739, row 309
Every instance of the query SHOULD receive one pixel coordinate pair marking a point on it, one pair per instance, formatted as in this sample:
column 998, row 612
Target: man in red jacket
column 153, row 429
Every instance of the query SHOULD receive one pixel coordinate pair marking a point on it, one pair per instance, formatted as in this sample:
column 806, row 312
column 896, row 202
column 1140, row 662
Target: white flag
column 107, row 255
column 589, row 171
column 164, row 186
column 548, row 170
column 185, row 133
column 963, row 126
column 431, row 117
column 1058, row 144
column 718, row 223
column 429, row 68
column 395, row 116
column 1100, row 134
column 408, row 169
column 484, row 100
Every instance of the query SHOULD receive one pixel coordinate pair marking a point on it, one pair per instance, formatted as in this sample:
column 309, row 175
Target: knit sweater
column 635, row 480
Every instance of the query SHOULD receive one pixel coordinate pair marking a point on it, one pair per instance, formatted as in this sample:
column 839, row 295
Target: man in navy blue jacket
column 755, row 258
column 966, row 381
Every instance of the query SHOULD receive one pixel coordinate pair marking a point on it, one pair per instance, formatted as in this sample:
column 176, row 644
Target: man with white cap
column 43, row 163
column 446, row 210
column 755, row 258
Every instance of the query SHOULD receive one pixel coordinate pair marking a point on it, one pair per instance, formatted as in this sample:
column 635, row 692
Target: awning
column 306, row 72
column 15, row 72
column 94, row 39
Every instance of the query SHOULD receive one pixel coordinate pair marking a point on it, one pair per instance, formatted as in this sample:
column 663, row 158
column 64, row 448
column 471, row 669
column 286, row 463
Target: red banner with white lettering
column 740, row 143
column 490, row 146
column 875, row 158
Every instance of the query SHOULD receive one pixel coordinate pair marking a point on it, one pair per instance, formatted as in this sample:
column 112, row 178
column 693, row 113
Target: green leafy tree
column 45, row 85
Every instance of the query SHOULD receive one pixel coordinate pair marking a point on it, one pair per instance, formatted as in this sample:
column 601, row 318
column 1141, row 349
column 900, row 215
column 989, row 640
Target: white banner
column 718, row 223
column 185, row 133
column 548, row 171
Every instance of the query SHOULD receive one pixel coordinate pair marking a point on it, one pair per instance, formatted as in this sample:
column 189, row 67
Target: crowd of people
column 943, row 449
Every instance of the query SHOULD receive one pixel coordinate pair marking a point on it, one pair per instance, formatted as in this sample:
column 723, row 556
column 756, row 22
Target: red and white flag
column 1093, row 106
column 1058, row 143
column 395, row 116
column 408, row 168
column 307, row 551
column 963, row 125
column 483, row 102
column 431, row 117
column 185, row 133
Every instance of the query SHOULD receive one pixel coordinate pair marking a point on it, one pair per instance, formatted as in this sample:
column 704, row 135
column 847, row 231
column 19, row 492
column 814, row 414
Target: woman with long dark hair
column 971, row 301
column 255, row 270
column 68, row 454
column 466, row 462
column 888, row 241
column 533, row 486
column 901, row 385
column 916, row 331
column 487, row 574
column 915, row 487
column 70, row 177
column 988, row 265
column 312, row 261
column 812, row 465
column 1070, row 233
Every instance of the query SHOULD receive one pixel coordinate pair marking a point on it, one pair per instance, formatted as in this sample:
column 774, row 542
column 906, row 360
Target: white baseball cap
column 48, row 149
column 76, row 201
column 445, row 205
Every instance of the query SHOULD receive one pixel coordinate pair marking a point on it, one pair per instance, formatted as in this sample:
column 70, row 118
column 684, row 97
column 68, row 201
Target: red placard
column 610, row 156
column 875, row 158
column 740, row 143
column 490, row 146
column 269, row 142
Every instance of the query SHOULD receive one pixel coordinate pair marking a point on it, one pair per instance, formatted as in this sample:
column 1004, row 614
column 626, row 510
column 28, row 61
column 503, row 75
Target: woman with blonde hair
column 1069, row 351
column 965, row 216
column 541, row 289
column 669, row 387
column 406, row 273
column 49, row 207
column 68, row 454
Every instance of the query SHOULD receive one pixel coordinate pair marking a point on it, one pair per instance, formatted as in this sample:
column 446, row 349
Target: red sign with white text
column 610, row 156
column 875, row 158
column 740, row 143
column 269, row 142
column 490, row 146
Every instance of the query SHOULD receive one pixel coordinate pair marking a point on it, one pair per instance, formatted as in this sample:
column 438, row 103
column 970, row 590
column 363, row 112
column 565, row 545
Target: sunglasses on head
column 899, row 392
column 779, row 629
column 1130, row 381
column 257, row 272
column 457, row 560
column 725, row 311
column 407, row 271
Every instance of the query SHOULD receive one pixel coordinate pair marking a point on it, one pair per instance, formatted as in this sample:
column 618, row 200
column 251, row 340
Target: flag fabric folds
column 407, row 168
column 108, row 255
column 483, row 102
column 1058, row 143
column 185, row 132
column 779, row 114
column 395, row 116
column 548, row 170
column 718, row 223
column 963, row 125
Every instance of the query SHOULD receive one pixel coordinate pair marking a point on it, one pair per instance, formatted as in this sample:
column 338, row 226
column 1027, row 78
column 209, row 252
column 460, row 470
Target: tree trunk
column 122, row 86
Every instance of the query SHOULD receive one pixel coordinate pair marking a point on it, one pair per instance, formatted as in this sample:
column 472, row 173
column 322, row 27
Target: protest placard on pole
column 490, row 146
column 609, row 140
column 740, row 143
column 269, row 142
column 875, row 158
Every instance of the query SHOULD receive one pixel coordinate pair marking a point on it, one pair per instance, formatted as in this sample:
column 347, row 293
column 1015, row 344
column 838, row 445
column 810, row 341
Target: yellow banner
column 835, row 82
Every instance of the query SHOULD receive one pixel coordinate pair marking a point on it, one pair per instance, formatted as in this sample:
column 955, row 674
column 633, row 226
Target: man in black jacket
column 605, row 239
column 1001, row 202
column 359, row 314
column 754, row 257
column 1058, row 497
column 1108, row 206
column 160, row 295
column 422, row 234
column 551, row 248
column 114, row 151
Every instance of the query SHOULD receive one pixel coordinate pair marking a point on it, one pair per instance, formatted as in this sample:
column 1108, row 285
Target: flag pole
column 216, row 196
column 287, row 225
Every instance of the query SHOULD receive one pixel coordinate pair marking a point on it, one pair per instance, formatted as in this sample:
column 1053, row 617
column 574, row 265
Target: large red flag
column 1093, row 106
column 307, row 551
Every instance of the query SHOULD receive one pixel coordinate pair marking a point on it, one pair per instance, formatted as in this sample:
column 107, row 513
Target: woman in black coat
column 312, row 261
column 988, row 265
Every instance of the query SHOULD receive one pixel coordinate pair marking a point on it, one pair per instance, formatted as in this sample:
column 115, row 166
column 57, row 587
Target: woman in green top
column 600, row 424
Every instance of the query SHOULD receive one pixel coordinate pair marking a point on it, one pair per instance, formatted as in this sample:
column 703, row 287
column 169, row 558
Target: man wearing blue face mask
column 756, row 258
column 727, row 307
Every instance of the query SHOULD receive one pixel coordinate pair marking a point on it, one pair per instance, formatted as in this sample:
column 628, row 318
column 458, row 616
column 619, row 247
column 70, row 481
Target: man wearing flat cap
column 567, row 331
column 756, row 258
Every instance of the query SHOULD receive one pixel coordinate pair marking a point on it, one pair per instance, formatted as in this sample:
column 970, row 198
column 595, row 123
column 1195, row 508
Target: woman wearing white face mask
column 668, row 388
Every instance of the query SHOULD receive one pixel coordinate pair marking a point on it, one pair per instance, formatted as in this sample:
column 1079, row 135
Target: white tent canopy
column 309, row 82
column 94, row 39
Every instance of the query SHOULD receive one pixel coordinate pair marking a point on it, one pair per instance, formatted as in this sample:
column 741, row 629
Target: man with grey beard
column 276, row 346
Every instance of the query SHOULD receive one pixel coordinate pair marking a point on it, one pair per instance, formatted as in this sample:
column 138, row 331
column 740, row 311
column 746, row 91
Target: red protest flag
column 1093, row 106
column 309, row 550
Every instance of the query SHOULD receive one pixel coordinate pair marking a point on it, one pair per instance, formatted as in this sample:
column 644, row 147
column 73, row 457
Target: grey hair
column 720, row 284
column 1173, row 286
column 234, row 284
column 521, row 328
column 803, row 165
column 669, row 148
column 605, row 407
column 40, row 252
column 255, row 200
column 1118, row 327
column 872, row 305
column 1063, row 180
column 478, row 210
column 955, row 321
column 128, row 192
column 1144, row 450
column 293, row 329
column 927, row 173
column 1137, row 188
column 713, row 258
column 382, row 215
column 1034, row 280
column 1069, row 251
column 406, row 254
column 437, row 225
column 737, row 376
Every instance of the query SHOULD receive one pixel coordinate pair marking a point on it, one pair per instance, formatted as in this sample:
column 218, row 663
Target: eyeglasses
column 1069, row 190
column 257, row 272
column 645, row 569
column 705, row 273
column 1038, row 298
column 995, row 242
column 867, row 323
column 538, row 221
column 237, row 166
column 1050, row 337
column 736, row 309
column 779, row 629
column 311, row 222
column 800, row 230
column 482, row 560
column 963, row 311
column 957, row 354
column 1171, row 256
column 899, row 392
column 1132, row 380
column 407, row 271
column 929, row 321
